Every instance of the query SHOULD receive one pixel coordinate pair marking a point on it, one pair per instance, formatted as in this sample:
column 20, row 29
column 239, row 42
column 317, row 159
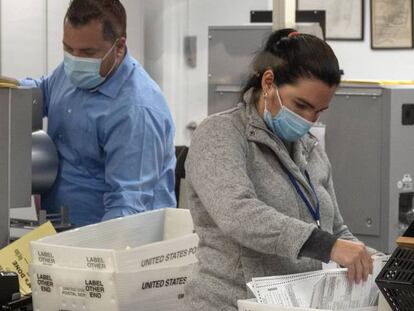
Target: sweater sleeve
column 318, row 246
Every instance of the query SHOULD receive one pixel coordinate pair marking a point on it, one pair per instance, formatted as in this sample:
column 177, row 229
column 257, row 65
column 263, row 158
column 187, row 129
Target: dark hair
column 291, row 56
column 111, row 13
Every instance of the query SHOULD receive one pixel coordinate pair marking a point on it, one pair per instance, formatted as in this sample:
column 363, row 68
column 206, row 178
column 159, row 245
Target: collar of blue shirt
column 112, row 86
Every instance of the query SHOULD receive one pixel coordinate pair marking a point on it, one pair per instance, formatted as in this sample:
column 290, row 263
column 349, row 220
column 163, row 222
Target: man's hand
column 355, row 257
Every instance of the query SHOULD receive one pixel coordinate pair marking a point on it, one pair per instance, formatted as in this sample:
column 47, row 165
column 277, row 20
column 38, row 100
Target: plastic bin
column 396, row 279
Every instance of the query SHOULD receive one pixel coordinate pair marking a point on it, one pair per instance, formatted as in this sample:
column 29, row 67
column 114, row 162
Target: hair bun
column 293, row 34
column 277, row 39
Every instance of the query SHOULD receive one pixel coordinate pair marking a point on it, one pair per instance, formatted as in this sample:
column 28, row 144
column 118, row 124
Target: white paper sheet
column 323, row 289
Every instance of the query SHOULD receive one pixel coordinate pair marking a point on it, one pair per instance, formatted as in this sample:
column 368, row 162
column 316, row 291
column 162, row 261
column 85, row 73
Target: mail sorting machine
column 28, row 157
column 369, row 138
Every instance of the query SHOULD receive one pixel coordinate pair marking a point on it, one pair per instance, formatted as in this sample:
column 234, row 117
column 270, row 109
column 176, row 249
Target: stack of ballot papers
column 323, row 289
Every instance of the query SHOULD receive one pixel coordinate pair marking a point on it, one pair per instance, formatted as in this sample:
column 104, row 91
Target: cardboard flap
column 405, row 241
column 177, row 222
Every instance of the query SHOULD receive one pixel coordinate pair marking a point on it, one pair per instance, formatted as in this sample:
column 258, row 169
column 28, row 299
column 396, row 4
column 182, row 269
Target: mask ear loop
column 113, row 66
column 110, row 70
column 278, row 98
column 110, row 50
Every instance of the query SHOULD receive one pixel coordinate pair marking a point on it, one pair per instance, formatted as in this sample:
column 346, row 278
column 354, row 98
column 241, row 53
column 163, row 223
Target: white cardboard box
column 157, row 238
column 252, row 305
column 56, row 288
column 139, row 262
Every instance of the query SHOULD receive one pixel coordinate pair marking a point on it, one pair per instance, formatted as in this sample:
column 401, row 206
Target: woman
column 260, row 187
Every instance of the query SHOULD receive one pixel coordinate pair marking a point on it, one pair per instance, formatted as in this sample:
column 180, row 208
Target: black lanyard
column 314, row 211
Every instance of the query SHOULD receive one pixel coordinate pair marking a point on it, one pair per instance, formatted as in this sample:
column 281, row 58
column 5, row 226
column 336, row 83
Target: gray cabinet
column 370, row 143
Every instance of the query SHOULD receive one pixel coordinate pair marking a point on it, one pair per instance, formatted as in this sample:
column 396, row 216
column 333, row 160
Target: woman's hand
column 355, row 257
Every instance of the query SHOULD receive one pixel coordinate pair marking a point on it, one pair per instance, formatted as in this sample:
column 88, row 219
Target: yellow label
column 17, row 256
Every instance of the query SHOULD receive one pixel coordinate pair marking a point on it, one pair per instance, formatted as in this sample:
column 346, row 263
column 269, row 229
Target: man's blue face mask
column 84, row 72
column 287, row 125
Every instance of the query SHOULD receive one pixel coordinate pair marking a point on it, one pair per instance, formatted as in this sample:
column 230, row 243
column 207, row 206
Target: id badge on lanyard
column 313, row 210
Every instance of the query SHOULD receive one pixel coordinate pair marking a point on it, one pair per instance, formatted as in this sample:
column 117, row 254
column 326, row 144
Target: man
column 109, row 121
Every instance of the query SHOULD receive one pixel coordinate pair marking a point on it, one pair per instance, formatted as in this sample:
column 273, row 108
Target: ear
column 120, row 47
column 268, row 80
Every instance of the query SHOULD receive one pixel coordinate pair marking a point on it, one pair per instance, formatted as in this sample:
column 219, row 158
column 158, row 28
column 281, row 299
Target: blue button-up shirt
column 115, row 145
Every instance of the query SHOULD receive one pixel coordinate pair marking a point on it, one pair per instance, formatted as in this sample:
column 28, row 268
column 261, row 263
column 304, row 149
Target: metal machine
column 28, row 157
column 370, row 143
column 369, row 138
column 230, row 51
